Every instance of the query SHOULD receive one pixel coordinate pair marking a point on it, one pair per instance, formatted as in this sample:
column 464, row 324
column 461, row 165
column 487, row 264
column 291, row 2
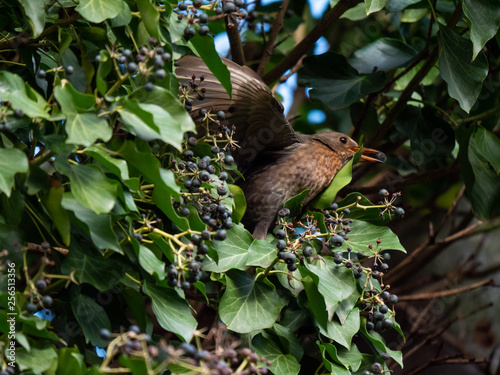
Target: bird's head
column 346, row 147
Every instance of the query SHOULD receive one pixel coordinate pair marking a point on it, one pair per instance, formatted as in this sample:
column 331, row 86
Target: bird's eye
column 343, row 140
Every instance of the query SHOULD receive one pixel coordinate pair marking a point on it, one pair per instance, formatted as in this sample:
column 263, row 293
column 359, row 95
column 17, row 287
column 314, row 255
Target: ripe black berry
column 40, row 284
column 385, row 356
column 229, row 7
column 220, row 235
column 337, row 241
column 195, row 239
column 185, row 285
column 30, row 307
column 182, row 6
column 307, row 252
column 388, row 323
column 18, row 113
column 41, row 74
column 204, row 176
column 189, row 33
column 383, row 309
column 228, row 160
column 203, row 18
column 149, row 86
column 280, row 234
column 166, row 56
column 348, row 264
column 104, row 333
column 292, row 267
column 184, row 210
column 376, row 368
column 69, row 70
column 289, row 258
column 203, row 30
column 202, row 249
column 400, row 212
column 383, row 193
column 370, row 326
column 47, row 301
column 131, row 67
column 223, row 176
column 281, row 245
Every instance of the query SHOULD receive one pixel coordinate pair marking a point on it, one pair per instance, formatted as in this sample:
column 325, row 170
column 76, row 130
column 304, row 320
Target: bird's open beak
column 371, row 155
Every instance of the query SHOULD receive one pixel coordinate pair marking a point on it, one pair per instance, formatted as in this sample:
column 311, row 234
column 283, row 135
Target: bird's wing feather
column 254, row 111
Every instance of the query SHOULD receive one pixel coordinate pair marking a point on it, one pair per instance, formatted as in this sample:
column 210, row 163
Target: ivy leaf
column 379, row 343
column 97, row 10
column 86, row 128
column 245, row 299
column 261, row 253
column 373, row 6
column 336, row 83
column 173, row 312
column 148, row 260
column 350, row 358
column 280, row 363
column 464, row 78
column 384, row 54
column 233, row 251
column 98, row 226
column 36, row 360
column 204, row 47
column 484, row 16
column 364, row 234
column 116, row 166
column 342, row 333
column 35, row 13
column 90, row 187
column 13, row 89
column 90, row 266
column 57, row 213
column 90, row 316
column 150, row 17
column 12, row 161
column 325, row 274
column 240, row 203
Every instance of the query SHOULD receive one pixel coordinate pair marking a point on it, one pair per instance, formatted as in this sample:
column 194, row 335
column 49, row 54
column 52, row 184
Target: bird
column 276, row 162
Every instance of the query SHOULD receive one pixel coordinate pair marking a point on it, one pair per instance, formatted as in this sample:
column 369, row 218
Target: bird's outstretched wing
column 260, row 125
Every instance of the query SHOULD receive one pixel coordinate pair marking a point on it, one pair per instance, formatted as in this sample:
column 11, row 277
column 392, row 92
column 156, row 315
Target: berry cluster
column 224, row 361
column 5, row 112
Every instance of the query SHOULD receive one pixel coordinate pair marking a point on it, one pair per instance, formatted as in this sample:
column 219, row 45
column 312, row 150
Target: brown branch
column 273, row 34
column 448, row 360
column 444, row 293
column 233, row 34
column 21, row 40
column 285, row 77
column 300, row 49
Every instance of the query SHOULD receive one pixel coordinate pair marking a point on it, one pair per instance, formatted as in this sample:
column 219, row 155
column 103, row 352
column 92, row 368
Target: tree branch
column 444, row 293
column 233, row 34
column 273, row 34
column 300, row 49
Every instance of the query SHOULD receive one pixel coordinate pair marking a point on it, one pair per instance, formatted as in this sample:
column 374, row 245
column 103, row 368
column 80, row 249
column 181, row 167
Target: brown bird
column 277, row 163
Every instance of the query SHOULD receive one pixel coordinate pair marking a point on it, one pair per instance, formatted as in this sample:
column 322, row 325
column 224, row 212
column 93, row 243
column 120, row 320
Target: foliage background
column 87, row 167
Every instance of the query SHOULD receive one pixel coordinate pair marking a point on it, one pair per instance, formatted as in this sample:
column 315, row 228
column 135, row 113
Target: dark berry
column 307, row 252
column 337, row 258
column 166, row 56
column 346, row 211
column 121, row 59
column 215, row 149
column 135, row 329
column 31, row 307
column 334, row 206
column 281, row 245
column 158, row 62
column 378, row 316
column 221, row 190
column 385, row 295
column 393, row 299
column 386, row 256
column 18, row 113
column 223, row 176
column 40, row 284
column 284, row 212
column 202, row 249
column 229, row 7
column 388, row 323
column 47, row 301
column 211, row 169
column 143, row 51
column 153, row 40
column 384, row 267
column 182, row 6
column 203, row 30
column 220, row 235
column 132, row 67
column 104, row 333
column 192, row 141
column 185, row 285
column 204, row 176
column 221, row 115
column 188, row 154
column 336, row 240
column 149, row 86
column 366, row 372
column 385, row 356
column 184, row 210
column 383, row 193
column 289, row 258
column 376, row 368
column 229, row 160
column 280, row 234
column 280, row 254
column 383, row 309
column 370, row 326
column 41, row 74
column 400, row 212
column 69, row 70
column 127, row 53
column 189, row 33
column 348, row 264
column 195, row 239
column 203, row 18
column 197, row 3
column 188, row 349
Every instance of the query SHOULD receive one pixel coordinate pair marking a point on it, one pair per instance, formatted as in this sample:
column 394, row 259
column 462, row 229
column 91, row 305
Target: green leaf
column 173, row 312
column 342, row 333
column 13, row 89
column 483, row 177
column 289, row 341
column 36, row 360
column 294, row 204
column 334, row 283
column 281, row 364
column 484, row 16
column 348, row 358
column 12, row 161
column 204, row 47
column 150, row 17
column 233, row 251
column 90, row 316
column 428, row 80
column 373, row 6
column 71, row 100
column 341, row 179
column 371, row 215
column 97, row 10
column 245, row 299
column 90, row 267
column 364, row 234
column 98, row 226
column 379, row 343
column 86, row 128
column 261, row 253
column 240, row 203
column 336, row 83
column 431, row 137
column 148, row 260
column 397, row 5
column 116, row 166
column 58, row 214
column 70, row 362
column 464, row 78
column 35, row 13
column 385, row 54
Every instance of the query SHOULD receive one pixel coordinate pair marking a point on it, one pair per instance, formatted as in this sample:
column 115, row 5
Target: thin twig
column 273, row 34
column 300, row 49
column 237, row 54
column 444, row 293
